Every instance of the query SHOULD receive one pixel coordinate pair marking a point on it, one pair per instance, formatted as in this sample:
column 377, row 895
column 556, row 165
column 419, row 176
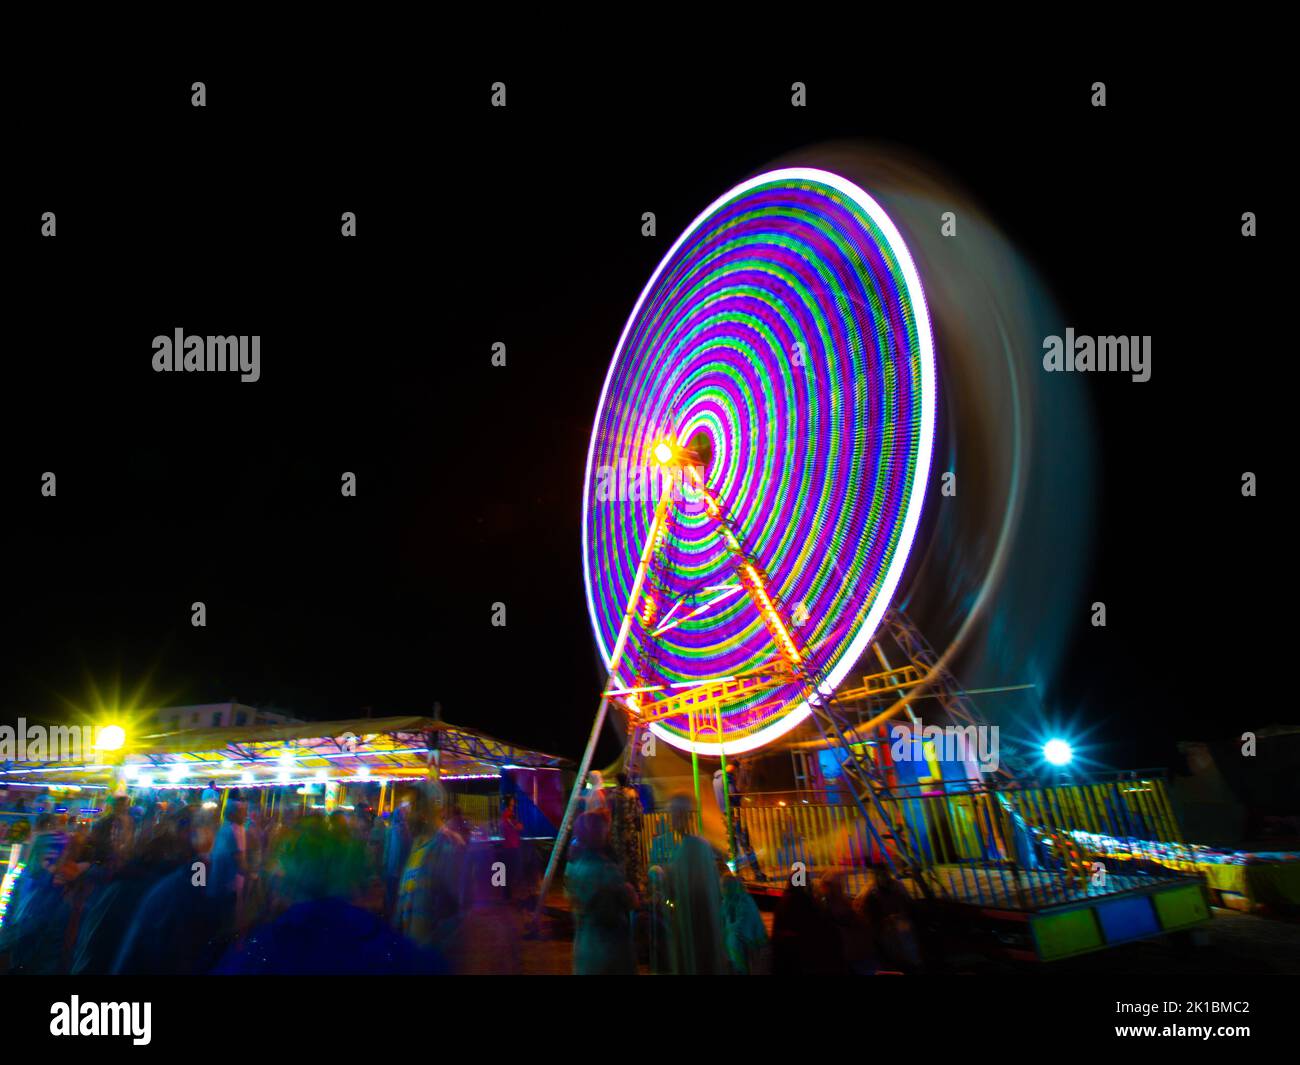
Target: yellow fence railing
column 998, row 846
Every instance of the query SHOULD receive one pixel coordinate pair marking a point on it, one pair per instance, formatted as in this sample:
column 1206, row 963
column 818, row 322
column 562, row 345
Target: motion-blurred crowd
column 176, row 887
column 689, row 913
column 225, row 887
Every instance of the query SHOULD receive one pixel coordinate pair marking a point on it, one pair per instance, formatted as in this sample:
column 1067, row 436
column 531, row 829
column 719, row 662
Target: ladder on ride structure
column 956, row 703
column 868, row 784
column 923, row 673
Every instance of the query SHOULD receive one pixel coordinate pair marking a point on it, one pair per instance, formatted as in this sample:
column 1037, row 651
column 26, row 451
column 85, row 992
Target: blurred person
column 397, row 849
column 323, row 931
column 681, row 822
column 663, row 847
column 458, row 823
column 887, row 909
column 511, row 841
column 114, row 832
column 682, row 814
column 727, row 792
column 35, row 931
column 429, row 899
column 805, row 941
column 378, row 831
column 47, row 845
column 593, row 798
column 625, row 832
column 855, row 935
column 748, row 949
column 363, row 821
column 110, row 910
column 228, row 866
column 252, row 900
column 697, row 936
column 272, row 873
column 603, row 903
column 659, row 921
column 460, row 831
column 100, row 855
column 176, row 928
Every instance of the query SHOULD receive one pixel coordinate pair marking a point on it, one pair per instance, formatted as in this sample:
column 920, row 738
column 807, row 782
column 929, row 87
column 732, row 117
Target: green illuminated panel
column 1063, row 934
column 1181, row 907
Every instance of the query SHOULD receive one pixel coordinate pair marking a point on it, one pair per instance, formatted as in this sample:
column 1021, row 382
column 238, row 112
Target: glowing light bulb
column 110, row 738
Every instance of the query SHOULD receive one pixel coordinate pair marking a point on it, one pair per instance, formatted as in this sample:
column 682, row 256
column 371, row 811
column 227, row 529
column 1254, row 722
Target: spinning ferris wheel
column 780, row 359
column 757, row 464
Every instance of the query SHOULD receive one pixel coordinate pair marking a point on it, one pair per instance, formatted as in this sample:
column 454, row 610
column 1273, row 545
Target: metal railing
column 1002, row 846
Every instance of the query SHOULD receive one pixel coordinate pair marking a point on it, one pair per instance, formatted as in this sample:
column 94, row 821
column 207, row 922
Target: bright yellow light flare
column 110, row 738
column 664, row 452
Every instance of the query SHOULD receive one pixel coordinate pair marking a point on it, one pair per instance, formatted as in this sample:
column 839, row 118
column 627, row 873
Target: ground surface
column 1237, row 943
column 495, row 939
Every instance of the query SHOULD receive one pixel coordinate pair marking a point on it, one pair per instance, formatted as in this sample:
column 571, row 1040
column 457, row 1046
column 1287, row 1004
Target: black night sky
column 522, row 226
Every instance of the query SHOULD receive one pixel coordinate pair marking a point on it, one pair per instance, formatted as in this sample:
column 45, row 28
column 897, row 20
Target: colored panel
column 1181, row 907
column 1225, row 877
column 1062, row 934
column 1124, row 919
column 1275, row 884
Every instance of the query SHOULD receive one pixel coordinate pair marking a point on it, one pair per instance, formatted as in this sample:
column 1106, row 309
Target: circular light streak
column 786, row 331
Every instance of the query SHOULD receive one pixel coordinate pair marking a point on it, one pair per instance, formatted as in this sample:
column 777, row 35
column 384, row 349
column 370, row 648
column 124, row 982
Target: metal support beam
column 611, row 683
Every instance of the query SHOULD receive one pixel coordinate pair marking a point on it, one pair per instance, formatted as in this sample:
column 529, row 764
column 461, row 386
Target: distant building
column 218, row 715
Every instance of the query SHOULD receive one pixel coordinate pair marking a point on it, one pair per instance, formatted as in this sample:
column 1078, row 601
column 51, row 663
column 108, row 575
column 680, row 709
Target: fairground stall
column 322, row 766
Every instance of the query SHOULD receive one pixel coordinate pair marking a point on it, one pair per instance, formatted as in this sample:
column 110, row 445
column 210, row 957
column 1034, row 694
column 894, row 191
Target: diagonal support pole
column 611, row 684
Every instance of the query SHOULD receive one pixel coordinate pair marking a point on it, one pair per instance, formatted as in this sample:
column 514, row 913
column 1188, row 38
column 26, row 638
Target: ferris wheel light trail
column 637, row 584
column 782, row 353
